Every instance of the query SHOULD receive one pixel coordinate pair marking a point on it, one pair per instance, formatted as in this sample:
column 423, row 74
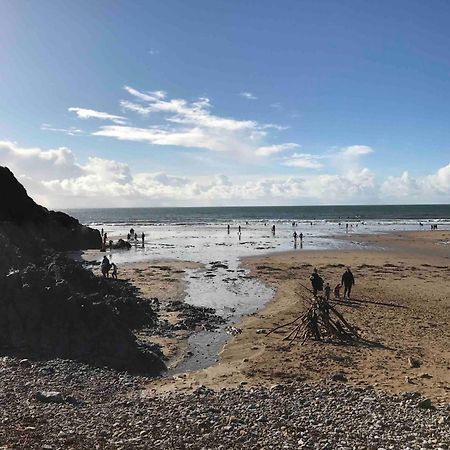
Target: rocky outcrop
column 121, row 245
column 50, row 306
column 25, row 220
column 58, row 309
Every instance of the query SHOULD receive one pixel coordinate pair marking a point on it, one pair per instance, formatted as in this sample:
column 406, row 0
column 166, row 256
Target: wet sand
column 403, row 306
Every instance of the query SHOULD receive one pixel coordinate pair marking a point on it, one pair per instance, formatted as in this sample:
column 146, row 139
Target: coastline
column 408, row 269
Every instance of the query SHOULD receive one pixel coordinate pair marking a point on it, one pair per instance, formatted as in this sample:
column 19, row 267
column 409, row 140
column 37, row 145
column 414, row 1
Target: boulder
column 121, row 245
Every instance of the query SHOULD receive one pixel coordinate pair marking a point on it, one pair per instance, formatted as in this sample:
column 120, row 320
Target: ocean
column 181, row 216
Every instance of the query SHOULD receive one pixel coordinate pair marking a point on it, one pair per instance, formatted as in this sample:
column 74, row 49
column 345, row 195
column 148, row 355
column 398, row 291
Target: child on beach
column 337, row 291
column 327, row 291
column 114, row 271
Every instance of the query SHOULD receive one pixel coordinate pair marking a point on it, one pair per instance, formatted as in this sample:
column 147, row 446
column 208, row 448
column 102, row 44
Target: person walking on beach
column 114, row 271
column 316, row 282
column 327, row 291
column 105, row 267
column 348, row 280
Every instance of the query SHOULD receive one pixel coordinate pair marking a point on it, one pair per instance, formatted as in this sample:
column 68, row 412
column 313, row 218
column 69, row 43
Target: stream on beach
column 221, row 282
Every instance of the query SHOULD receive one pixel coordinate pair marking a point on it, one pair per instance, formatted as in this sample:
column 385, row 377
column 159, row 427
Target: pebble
column 112, row 414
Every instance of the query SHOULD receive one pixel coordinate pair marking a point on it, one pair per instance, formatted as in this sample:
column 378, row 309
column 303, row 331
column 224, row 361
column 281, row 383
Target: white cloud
column 84, row 113
column 38, row 163
column 303, row 161
column 188, row 124
column 72, row 131
column 248, row 96
column 56, row 179
column 276, row 148
column 356, row 150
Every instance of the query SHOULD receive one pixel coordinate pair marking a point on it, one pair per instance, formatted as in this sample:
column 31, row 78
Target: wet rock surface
column 193, row 317
column 56, row 308
column 105, row 409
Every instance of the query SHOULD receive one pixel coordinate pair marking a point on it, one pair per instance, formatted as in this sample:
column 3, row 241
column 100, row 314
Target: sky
column 220, row 103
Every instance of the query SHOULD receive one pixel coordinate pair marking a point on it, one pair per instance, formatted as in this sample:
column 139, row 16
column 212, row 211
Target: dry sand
column 404, row 290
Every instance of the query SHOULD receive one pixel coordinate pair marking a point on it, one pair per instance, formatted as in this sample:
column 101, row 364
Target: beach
column 401, row 305
column 199, row 301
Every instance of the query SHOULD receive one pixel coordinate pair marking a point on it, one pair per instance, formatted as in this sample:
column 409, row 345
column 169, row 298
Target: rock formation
column 25, row 220
column 50, row 306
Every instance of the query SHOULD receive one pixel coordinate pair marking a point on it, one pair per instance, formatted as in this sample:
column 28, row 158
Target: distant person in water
column 143, row 237
column 105, row 266
column 114, row 271
column 273, row 230
column 105, row 236
column 295, row 239
column 301, row 236
column 239, row 229
column 348, row 280
column 316, row 282
column 228, row 228
column 102, row 231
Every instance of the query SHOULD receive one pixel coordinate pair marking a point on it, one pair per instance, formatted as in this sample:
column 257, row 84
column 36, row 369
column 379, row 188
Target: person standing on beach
column 316, row 282
column 295, row 239
column 239, row 229
column 228, row 228
column 143, row 237
column 348, row 280
column 105, row 266
column 301, row 236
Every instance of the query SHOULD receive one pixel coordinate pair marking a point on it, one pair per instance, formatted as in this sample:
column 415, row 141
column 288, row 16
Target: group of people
column 347, row 280
column 106, row 266
column 133, row 235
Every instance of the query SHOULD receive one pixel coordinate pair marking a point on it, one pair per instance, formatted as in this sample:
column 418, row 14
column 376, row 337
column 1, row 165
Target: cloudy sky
column 203, row 103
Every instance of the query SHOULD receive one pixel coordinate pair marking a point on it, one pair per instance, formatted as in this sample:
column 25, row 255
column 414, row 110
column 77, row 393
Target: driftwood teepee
column 320, row 321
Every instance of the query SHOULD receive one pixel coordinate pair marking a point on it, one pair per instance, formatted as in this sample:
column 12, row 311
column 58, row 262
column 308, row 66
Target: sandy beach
column 401, row 303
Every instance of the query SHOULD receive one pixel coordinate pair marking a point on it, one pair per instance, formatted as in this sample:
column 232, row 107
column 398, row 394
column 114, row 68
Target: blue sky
column 302, row 102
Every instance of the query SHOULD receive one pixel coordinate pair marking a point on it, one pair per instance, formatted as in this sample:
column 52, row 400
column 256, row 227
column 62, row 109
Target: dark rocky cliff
column 50, row 306
column 57, row 229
